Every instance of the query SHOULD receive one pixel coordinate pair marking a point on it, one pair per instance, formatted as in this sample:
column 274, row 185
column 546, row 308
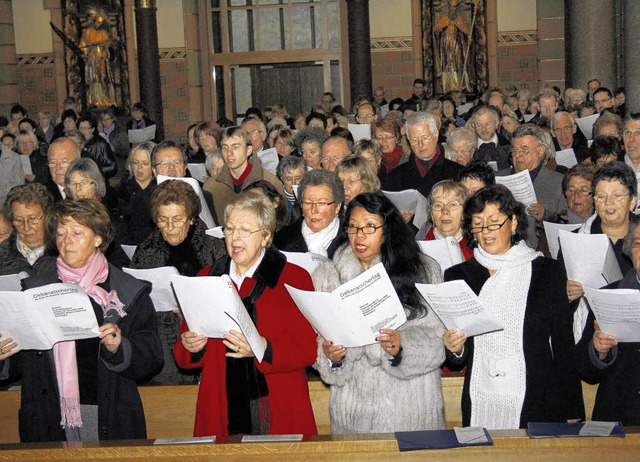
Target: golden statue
column 94, row 44
column 454, row 32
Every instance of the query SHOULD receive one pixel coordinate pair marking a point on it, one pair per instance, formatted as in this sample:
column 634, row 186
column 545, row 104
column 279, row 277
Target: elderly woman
column 612, row 364
column 309, row 144
column 445, row 209
column 386, row 131
column 321, row 194
column 214, row 162
column 140, row 175
column 525, row 372
column 462, row 144
column 392, row 385
column 179, row 241
column 83, row 180
column 576, row 186
column 86, row 389
column 357, row 177
column 290, row 171
column 509, row 123
column 45, row 122
column 239, row 395
column 25, row 250
column 270, row 192
column 27, row 144
column 284, row 142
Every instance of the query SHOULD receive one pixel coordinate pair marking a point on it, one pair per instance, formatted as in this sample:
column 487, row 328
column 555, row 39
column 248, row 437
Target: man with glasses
column 367, row 113
column 25, row 250
column 426, row 165
column 529, row 152
column 564, row 130
column 257, row 134
column 603, row 99
column 62, row 151
column 239, row 171
column 492, row 147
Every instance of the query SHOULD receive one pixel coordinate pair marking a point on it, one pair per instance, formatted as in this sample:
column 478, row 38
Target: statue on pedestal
column 94, row 43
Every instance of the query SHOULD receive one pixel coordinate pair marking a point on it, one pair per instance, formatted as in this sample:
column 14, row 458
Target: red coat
column 294, row 347
column 467, row 253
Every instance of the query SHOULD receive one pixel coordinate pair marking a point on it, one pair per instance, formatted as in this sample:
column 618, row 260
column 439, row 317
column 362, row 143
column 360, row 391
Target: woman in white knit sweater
column 392, row 385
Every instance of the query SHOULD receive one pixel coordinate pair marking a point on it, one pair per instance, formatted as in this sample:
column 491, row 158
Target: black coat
column 618, row 396
column 407, row 176
column 120, row 412
column 553, row 388
column 98, row 150
column 13, row 262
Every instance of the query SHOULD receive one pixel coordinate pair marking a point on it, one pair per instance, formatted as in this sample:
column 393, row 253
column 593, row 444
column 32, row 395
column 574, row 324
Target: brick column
column 149, row 62
column 551, row 43
column 591, row 42
column 359, row 47
column 9, row 90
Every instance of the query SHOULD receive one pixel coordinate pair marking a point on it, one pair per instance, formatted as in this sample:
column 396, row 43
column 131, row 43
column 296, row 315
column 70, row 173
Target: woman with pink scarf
column 86, row 389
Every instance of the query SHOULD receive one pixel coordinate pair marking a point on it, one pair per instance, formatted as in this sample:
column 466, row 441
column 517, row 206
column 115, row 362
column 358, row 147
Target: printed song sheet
column 589, row 259
column 353, row 314
column 269, row 159
column 458, row 307
column 39, row 318
column 198, row 171
column 212, row 307
column 205, row 214
column 617, row 312
column 520, row 186
column 306, row 260
column 410, row 200
column 161, row 292
column 445, row 251
column 586, row 125
column 566, row 157
column 142, row 134
column 360, row 131
column 551, row 230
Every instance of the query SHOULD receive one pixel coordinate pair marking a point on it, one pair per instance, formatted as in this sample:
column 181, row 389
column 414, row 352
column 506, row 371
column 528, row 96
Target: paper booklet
column 39, row 318
column 212, row 307
column 410, row 200
column 520, row 185
column 445, row 251
column 353, row 314
column 161, row 291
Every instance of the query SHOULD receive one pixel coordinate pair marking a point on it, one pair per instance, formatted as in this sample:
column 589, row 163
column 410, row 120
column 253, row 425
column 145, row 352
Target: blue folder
column 434, row 439
column 565, row 430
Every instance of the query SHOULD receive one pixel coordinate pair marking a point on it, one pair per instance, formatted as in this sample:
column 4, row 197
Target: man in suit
column 491, row 145
column 563, row 130
column 62, row 151
column 426, row 165
column 529, row 152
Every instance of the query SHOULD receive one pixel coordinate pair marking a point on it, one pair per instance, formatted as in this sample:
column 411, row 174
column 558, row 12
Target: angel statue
column 452, row 33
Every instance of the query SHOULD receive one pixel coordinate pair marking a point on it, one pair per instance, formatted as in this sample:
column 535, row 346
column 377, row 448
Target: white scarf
column 498, row 378
column 319, row 242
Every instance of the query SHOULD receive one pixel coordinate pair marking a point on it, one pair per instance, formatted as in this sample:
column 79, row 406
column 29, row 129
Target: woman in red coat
column 237, row 394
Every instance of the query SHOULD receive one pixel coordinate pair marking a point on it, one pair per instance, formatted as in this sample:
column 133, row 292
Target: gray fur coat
column 368, row 395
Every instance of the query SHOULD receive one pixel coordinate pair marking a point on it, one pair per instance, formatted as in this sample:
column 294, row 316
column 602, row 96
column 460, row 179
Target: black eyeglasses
column 367, row 229
column 493, row 227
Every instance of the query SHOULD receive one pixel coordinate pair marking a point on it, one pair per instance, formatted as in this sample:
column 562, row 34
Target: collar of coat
column 268, row 271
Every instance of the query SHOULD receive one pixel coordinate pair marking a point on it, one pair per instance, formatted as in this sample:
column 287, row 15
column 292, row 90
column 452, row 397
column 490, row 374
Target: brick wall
column 518, row 60
column 175, row 100
column 392, row 66
column 37, row 84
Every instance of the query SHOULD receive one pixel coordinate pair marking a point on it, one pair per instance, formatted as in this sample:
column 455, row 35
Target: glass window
column 270, row 27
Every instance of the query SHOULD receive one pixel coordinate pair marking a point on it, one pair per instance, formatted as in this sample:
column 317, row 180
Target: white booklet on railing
column 353, row 314
column 39, row 318
column 458, row 307
column 212, row 307
column 161, row 292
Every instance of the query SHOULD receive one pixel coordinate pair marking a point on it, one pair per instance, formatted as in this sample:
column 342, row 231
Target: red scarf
column 244, row 176
column 392, row 160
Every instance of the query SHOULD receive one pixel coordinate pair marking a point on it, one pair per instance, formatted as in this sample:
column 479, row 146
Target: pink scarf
column 64, row 353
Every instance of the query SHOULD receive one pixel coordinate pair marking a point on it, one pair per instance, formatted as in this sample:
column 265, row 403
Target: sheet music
column 520, row 185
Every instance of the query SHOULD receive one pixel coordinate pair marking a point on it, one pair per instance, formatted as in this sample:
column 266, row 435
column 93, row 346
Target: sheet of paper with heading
column 520, row 186
column 212, row 307
column 353, row 314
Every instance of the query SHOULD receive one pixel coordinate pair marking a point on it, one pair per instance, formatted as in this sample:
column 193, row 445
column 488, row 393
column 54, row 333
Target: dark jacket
column 618, row 396
column 100, row 152
column 13, row 262
column 407, row 175
column 120, row 412
column 553, row 389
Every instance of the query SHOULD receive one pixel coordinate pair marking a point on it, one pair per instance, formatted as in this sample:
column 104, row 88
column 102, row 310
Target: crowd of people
column 75, row 193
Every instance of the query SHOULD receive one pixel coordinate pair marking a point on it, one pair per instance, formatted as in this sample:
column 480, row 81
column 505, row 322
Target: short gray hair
column 62, row 139
column 88, row 169
column 291, row 163
column 320, row 177
column 558, row 115
column 421, row 118
column 446, row 186
column 260, row 206
column 463, row 134
column 311, row 135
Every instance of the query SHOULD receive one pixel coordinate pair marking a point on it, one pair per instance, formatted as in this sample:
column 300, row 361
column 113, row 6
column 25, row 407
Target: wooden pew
column 170, row 410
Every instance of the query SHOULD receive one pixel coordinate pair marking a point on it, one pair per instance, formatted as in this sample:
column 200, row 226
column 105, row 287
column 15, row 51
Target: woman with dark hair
column 393, row 385
column 69, row 120
column 475, row 176
column 279, row 203
column 96, row 147
column 86, row 389
column 525, row 372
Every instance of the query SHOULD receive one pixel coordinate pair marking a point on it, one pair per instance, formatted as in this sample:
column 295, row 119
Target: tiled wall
column 518, row 60
column 392, row 66
column 37, row 84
